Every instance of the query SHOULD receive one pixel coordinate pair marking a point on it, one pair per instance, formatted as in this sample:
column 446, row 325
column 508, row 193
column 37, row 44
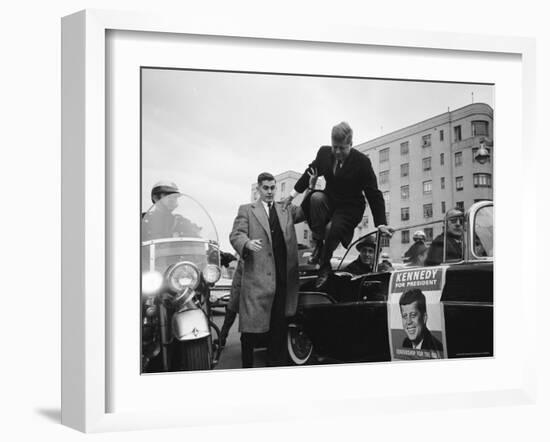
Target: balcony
column 467, row 143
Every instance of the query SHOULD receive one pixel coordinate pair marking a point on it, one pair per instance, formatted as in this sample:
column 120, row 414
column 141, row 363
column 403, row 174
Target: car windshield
column 177, row 228
column 483, row 232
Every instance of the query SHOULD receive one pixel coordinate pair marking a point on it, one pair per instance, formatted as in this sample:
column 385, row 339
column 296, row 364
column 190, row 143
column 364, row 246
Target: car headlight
column 182, row 276
column 211, row 273
column 151, row 282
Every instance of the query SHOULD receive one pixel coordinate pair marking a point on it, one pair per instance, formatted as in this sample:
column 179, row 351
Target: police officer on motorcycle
column 159, row 221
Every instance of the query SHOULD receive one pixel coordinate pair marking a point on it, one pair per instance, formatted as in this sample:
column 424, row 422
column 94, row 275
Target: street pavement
column 231, row 354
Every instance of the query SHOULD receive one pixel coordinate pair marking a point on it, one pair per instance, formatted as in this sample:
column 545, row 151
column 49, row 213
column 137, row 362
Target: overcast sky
column 213, row 132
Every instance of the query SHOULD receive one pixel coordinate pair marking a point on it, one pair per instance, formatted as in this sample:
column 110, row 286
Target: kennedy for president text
column 425, row 279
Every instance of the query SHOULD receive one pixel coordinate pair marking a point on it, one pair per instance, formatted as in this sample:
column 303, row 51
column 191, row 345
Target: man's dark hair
column 265, row 176
column 413, row 295
column 342, row 133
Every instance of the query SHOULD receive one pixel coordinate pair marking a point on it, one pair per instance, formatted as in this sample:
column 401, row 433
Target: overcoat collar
column 259, row 212
column 282, row 214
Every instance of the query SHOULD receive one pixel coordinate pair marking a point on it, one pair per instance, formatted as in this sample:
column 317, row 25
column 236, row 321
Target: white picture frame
column 86, row 217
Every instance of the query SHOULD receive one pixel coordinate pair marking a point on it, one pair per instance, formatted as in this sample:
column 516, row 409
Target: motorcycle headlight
column 151, row 282
column 182, row 276
column 211, row 273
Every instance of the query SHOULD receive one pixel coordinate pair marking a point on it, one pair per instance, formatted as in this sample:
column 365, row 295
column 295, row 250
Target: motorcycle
column 180, row 263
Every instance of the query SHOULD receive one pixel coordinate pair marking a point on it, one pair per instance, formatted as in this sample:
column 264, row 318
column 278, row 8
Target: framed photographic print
column 201, row 168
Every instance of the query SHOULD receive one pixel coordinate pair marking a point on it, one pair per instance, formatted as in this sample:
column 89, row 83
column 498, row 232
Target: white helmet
column 419, row 234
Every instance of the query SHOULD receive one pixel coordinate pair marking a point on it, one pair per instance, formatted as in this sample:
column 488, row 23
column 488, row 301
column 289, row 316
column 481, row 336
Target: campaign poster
column 415, row 317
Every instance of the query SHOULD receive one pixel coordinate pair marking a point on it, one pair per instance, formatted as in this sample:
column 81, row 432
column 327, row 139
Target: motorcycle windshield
column 178, row 228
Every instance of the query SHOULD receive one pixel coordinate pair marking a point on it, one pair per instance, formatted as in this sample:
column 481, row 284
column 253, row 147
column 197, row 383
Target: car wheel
column 300, row 347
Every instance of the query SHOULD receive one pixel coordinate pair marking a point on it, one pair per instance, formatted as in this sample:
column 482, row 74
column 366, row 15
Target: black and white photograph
column 298, row 220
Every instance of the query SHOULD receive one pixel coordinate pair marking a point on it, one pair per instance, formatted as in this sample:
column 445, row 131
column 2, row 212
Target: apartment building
column 428, row 168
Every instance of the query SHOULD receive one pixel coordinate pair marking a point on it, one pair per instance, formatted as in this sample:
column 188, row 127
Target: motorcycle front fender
column 190, row 324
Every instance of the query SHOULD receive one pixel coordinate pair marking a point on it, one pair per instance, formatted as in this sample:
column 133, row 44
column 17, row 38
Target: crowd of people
column 265, row 284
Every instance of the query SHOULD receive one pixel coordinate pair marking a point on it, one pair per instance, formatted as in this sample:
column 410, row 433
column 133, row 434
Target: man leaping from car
column 334, row 213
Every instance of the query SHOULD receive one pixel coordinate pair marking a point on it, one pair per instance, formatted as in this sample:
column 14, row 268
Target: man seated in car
column 455, row 231
column 365, row 261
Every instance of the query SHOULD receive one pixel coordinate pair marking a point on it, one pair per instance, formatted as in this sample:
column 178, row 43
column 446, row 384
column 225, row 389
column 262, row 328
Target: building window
column 427, row 187
column 384, row 177
column 404, row 192
column 459, row 183
column 404, row 213
column 405, row 169
column 429, row 232
column 458, row 133
column 482, row 180
column 460, row 205
column 442, row 182
column 441, row 137
column 387, row 199
column 428, row 211
column 384, row 155
column 480, row 128
column 405, row 237
column 443, row 207
column 427, row 140
column 427, row 163
column 458, row 159
column 474, row 153
column 283, row 189
column 384, row 241
column 405, row 148
column 442, row 159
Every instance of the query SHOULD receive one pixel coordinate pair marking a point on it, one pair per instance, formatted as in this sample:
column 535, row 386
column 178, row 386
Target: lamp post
column 482, row 154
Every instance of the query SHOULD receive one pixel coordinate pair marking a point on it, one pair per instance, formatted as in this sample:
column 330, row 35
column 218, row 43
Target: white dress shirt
column 266, row 207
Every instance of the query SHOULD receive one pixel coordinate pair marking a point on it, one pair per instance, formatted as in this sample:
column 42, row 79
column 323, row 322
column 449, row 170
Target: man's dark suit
column 342, row 202
column 429, row 342
column 345, row 190
column 435, row 252
column 358, row 267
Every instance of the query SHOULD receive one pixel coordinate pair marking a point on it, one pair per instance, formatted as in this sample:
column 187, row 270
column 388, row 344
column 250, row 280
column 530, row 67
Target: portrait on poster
column 415, row 314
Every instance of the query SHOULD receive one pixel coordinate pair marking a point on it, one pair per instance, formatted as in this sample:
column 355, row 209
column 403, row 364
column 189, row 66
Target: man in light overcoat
column 264, row 236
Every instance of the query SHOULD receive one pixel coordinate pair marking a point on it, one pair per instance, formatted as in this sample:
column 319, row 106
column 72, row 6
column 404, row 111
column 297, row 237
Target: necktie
column 271, row 213
column 338, row 167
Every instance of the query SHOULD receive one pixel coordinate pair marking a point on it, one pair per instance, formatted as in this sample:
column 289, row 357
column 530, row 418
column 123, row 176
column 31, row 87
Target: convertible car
column 424, row 312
